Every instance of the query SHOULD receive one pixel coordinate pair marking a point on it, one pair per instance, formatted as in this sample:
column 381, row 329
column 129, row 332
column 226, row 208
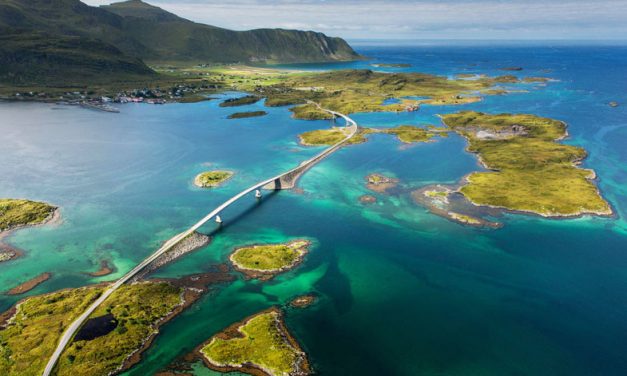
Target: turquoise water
column 402, row 291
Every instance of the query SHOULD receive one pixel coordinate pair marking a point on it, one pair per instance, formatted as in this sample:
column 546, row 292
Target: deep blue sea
column 402, row 291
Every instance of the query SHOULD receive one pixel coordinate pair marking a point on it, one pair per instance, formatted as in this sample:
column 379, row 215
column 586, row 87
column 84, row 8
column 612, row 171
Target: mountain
column 174, row 38
column 28, row 58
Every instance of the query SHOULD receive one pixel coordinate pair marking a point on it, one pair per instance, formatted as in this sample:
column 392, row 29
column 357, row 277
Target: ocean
column 401, row 291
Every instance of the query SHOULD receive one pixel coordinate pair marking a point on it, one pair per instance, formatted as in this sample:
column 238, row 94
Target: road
column 76, row 324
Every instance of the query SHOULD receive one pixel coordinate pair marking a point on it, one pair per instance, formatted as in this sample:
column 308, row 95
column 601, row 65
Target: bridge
column 286, row 180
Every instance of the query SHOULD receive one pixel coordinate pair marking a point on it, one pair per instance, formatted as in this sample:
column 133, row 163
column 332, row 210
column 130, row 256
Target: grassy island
column 380, row 183
column 531, row 171
column 17, row 213
column 265, row 261
column 259, row 345
column 330, row 137
column 210, row 179
column 241, row 101
column 410, row 134
column 249, row 114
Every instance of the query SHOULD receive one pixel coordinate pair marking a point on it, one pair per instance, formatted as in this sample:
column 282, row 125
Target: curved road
column 76, row 324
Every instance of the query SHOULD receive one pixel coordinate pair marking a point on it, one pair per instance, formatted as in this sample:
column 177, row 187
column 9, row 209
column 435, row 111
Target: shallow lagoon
column 402, row 291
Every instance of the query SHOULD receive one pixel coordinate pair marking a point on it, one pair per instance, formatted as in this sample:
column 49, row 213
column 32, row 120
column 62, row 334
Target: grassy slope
column 50, row 60
column 28, row 342
column 533, row 173
column 186, row 40
column 22, row 212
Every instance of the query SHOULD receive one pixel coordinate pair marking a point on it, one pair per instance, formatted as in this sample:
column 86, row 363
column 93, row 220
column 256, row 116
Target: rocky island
column 266, row 261
column 259, row 345
column 211, row 179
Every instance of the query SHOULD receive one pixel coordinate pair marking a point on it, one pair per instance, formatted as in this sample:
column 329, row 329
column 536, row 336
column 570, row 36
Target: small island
column 391, row 65
column 367, row 199
column 259, row 345
column 15, row 213
column 241, row 101
column 380, row 183
column 267, row 260
column 248, row 114
column 303, row 301
column 212, row 179
column 411, row 134
column 530, row 170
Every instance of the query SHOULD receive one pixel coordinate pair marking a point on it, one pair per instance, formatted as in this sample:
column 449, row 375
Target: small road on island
column 285, row 180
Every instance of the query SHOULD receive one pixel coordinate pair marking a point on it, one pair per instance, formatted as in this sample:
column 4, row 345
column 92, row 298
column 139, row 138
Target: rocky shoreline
column 191, row 243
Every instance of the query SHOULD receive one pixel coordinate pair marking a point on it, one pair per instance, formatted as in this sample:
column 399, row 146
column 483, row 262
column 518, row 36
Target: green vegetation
column 310, row 112
column 212, row 178
column 15, row 213
column 532, row 172
column 351, row 91
column 410, row 134
column 270, row 257
column 137, row 308
column 241, row 101
column 466, row 219
column 329, row 137
column 30, row 338
column 260, row 343
column 249, row 114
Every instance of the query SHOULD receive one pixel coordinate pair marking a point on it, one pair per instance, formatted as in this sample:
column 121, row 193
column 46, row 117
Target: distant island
column 248, row 114
column 391, row 65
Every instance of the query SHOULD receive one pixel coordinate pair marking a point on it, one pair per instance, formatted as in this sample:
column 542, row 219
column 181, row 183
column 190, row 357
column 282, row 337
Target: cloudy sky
column 415, row 19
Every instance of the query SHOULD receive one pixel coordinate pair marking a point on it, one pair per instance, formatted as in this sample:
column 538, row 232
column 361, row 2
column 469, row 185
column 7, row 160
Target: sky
column 415, row 19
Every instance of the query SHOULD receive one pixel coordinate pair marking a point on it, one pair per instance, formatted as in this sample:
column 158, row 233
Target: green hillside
column 49, row 60
column 187, row 40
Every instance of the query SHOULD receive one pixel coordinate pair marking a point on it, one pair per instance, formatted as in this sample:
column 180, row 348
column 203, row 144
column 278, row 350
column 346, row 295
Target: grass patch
column 260, row 342
column 532, row 172
column 210, row 179
column 14, row 213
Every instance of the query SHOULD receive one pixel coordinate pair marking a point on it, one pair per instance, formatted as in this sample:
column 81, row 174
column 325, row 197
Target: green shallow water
column 402, row 291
